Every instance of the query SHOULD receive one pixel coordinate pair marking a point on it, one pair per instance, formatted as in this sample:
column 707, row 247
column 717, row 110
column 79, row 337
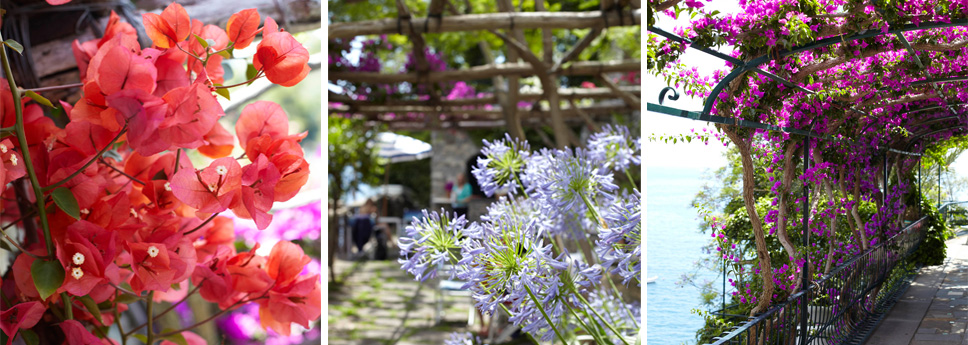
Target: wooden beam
column 487, row 72
column 491, row 21
column 565, row 93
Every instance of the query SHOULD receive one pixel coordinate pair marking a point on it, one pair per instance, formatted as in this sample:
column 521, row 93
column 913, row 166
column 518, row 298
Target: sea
column 674, row 245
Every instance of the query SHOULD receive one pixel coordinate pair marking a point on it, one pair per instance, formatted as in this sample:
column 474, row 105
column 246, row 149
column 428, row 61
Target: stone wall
column 451, row 150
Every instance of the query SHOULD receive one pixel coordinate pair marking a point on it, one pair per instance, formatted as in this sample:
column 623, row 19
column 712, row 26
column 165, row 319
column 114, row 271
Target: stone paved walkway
column 934, row 310
column 378, row 303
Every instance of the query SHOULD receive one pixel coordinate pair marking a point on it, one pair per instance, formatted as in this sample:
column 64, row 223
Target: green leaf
column 201, row 41
column 91, row 307
column 14, row 45
column 250, row 72
column 39, row 99
column 223, row 92
column 225, row 53
column 142, row 337
column 66, row 201
column 176, row 338
column 48, row 276
column 126, row 299
column 30, row 337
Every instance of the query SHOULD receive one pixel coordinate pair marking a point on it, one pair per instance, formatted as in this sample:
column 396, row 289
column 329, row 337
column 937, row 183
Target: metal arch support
column 919, row 136
column 662, row 109
column 758, row 61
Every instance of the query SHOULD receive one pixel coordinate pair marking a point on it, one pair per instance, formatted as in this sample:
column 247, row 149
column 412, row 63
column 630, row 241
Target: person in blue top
column 461, row 195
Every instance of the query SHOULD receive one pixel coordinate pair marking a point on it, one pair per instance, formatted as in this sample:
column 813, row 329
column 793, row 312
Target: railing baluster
column 860, row 291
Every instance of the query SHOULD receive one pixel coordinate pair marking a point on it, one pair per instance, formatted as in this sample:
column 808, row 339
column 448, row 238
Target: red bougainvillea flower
column 248, row 272
column 11, row 163
column 218, row 142
column 144, row 114
column 211, row 189
column 293, row 298
column 258, row 192
column 216, row 280
column 151, row 266
column 169, row 28
column 286, row 154
column 78, row 335
column 191, row 113
column 121, row 65
column 242, row 27
column 283, row 60
column 21, row 316
column 217, row 40
column 261, row 118
column 86, row 253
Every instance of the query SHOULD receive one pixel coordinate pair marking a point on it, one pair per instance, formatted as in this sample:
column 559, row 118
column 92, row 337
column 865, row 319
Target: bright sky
column 694, row 154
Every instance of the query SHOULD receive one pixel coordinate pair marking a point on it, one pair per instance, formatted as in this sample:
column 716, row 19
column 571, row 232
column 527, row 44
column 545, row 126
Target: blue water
column 674, row 244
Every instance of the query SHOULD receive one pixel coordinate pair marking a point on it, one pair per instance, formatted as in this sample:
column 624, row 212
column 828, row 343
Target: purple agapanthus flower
column 615, row 147
column 503, row 163
column 571, row 180
column 509, row 266
column 624, row 317
column 428, row 243
column 620, row 238
column 465, row 338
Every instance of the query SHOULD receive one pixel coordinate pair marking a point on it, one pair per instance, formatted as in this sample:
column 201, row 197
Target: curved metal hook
column 662, row 94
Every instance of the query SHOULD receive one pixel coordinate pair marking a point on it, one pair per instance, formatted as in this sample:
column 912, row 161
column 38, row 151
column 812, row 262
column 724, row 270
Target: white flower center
column 221, row 170
column 13, row 160
column 168, row 186
column 85, row 211
column 77, row 272
column 3, row 148
column 211, row 188
column 78, row 259
column 152, row 251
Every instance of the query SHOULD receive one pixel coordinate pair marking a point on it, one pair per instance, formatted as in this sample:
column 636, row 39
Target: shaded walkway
column 934, row 310
column 378, row 303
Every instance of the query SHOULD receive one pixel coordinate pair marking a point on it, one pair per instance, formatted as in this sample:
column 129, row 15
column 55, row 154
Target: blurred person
column 363, row 225
column 461, row 195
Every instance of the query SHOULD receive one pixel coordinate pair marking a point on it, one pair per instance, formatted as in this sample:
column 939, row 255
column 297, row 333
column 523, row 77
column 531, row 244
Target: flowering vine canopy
column 877, row 81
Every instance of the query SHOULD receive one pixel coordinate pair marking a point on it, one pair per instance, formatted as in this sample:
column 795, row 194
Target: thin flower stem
column 240, row 302
column 68, row 306
column 56, row 87
column 25, row 151
column 607, row 324
column 109, row 165
column 89, row 162
column 14, row 243
column 596, row 335
column 126, row 291
column 177, row 159
column 511, row 315
column 608, row 277
column 543, row 313
column 629, row 175
column 150, row 333
column 257, row 76
column 117, row 319
column 210, row 218
column 172, row 307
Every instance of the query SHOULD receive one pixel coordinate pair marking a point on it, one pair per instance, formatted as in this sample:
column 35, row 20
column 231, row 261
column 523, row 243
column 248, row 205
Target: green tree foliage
column 352, row 162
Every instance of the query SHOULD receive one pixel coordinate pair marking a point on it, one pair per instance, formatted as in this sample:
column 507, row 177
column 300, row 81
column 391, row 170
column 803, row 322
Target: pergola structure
column 835, row 101
column 500, row 107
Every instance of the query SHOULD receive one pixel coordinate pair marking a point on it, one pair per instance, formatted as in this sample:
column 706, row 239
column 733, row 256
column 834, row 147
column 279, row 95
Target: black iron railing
column 841, row 306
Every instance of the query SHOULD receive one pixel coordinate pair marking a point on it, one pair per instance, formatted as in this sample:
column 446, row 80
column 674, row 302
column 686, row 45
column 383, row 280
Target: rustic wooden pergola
column 562, row 104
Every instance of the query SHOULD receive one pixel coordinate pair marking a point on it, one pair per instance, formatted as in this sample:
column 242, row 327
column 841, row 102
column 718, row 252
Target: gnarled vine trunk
column 763, row 255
